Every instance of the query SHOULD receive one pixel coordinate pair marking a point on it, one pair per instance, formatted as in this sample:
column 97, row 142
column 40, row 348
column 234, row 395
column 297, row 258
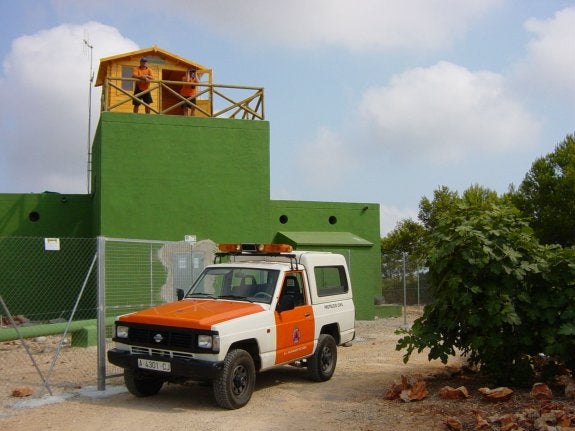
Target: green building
column 166, row 176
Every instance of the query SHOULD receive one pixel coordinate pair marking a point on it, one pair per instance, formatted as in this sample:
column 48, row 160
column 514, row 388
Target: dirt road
column 284, row 399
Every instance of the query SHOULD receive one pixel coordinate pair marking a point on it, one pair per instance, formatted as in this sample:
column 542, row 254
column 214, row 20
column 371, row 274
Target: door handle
column 307, row 314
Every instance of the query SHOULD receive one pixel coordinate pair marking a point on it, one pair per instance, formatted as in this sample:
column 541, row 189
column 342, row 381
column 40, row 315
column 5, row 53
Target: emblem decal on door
column 295, row 335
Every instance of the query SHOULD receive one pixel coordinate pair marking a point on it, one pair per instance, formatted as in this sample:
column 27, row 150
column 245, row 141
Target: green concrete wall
column 46, row 215
column 162, row 177
column 27, row 271
column 361, row 219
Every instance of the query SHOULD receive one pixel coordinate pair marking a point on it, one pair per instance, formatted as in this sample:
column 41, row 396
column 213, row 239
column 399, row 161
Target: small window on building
column 127, row 85
column 330, row 280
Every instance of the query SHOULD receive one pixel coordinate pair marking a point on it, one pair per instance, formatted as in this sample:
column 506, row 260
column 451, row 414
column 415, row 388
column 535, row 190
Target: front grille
column 164, row 338
column 158, row 352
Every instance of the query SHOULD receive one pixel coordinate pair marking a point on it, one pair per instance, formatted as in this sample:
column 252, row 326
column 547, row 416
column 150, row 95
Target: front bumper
column 193, row 369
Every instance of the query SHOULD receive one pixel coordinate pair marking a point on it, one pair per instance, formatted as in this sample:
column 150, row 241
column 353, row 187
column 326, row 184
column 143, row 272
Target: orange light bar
column 230, row 248
column 255, row 248
column 277, row 248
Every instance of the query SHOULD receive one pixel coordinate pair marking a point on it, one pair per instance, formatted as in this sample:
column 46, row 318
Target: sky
column 369, row 101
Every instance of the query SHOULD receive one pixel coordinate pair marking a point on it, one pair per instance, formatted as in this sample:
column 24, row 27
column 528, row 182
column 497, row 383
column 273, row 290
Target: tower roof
column 154, row 54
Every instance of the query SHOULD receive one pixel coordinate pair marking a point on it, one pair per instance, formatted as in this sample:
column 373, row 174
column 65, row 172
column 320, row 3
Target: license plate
column 148, row 364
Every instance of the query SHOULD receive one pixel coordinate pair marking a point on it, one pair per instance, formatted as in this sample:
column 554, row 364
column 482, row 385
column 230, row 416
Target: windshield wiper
column 237, row 297
column 200, row 295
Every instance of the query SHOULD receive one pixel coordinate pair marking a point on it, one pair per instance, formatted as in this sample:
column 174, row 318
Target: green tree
column 407, row 237
column 430, row 211
column 445, row 201
column 483, row 262
column 547, row 195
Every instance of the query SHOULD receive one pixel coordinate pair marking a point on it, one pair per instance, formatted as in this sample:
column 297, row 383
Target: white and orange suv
column 260, row 306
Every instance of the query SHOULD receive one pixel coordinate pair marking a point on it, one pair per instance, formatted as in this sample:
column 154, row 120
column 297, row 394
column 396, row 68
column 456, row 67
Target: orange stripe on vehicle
column 193, row 314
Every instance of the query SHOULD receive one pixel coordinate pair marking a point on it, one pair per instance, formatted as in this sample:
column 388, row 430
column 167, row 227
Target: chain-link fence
column 60, row 296
column 403, row 281
column 47, row 300
column 140, row 274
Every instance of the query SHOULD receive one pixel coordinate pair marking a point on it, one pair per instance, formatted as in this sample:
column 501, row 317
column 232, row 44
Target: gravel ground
column 284, row 399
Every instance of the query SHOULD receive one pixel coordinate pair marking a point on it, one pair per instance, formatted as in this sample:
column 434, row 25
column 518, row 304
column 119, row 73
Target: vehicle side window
column 330, row 280
column 293, row 286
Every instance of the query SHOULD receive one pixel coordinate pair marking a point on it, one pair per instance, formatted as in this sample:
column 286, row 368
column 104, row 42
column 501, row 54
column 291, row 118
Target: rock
column 564, row 419
column 508, row 422
column 18, row 320
column 416, row 392
column 480, row 423
column 540, row 391
column 497, row 394
column 550, row 418
column 22, row 391
column 449, row 393
column 453, row 424
column 509, row 427
column 411, row 388
column 570, row 390
column 393, row 392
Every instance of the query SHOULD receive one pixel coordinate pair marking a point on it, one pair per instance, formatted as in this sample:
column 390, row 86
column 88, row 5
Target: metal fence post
column 404, row 292
column 101, row 313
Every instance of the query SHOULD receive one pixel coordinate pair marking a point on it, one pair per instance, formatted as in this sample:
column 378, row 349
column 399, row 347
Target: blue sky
column 368, row 101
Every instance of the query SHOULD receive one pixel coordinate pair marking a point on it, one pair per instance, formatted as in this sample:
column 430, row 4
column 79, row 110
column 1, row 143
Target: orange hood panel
column 192, row 313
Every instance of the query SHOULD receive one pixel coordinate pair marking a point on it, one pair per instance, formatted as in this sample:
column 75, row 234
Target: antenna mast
column 89, row 171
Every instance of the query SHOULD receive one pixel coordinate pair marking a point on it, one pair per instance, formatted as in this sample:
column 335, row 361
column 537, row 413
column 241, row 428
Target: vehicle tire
column 141, row 386
column 233, row 388
column 321, row 365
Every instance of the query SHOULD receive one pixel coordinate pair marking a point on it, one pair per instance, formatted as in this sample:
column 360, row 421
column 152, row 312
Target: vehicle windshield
column 244, row 284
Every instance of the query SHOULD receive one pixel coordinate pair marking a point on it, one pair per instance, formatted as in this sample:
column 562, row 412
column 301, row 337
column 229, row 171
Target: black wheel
column 235, row 385
column 141, row 386
column 321, row 365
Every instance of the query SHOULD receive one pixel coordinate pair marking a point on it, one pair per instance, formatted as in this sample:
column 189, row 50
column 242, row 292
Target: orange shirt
column 139, row 72
column 189, row 90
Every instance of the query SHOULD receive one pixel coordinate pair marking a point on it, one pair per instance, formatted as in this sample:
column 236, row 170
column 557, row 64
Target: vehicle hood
column 192, row 313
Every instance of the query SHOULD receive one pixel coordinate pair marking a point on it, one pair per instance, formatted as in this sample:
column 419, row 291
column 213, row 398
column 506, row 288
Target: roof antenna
column 89, row 170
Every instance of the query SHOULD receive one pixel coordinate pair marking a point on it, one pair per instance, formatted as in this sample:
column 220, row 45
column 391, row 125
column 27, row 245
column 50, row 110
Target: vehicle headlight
column 205, row 341
column 122, row 331
column 209, row 342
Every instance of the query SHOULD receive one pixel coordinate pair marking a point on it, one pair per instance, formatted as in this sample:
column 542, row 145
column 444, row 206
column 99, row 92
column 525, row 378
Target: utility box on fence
column 187, row 267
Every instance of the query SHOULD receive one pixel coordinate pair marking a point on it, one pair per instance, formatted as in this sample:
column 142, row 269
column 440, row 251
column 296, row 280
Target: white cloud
column 367, row 24
column 446, row 113
column 325, row 162
column 391, row 215
column 549, row 66
column 44, row 127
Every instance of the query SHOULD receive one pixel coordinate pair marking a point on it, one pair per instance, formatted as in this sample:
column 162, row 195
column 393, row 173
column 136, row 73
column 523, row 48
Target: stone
column 497, row 394
column 480, row 423
column 393, row 392
column 414, row 390
column 450, row 393
column 453, row 424
column 22, row 391
column 540, row 391
column 411, row 388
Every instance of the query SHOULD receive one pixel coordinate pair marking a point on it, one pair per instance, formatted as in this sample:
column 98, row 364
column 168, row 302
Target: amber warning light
column 255, row 248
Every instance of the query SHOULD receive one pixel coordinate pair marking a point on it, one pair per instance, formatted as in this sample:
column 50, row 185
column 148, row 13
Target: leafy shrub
column 500, row 296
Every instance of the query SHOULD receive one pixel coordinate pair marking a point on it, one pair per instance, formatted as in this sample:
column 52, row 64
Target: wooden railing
column 212, row 100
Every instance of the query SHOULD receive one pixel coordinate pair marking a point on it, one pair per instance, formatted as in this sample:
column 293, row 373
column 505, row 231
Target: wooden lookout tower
column 115, row 74
column 211, row 100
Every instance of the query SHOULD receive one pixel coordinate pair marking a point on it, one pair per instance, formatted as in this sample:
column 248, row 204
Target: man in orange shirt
column 144, row 75
column 189, row 92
